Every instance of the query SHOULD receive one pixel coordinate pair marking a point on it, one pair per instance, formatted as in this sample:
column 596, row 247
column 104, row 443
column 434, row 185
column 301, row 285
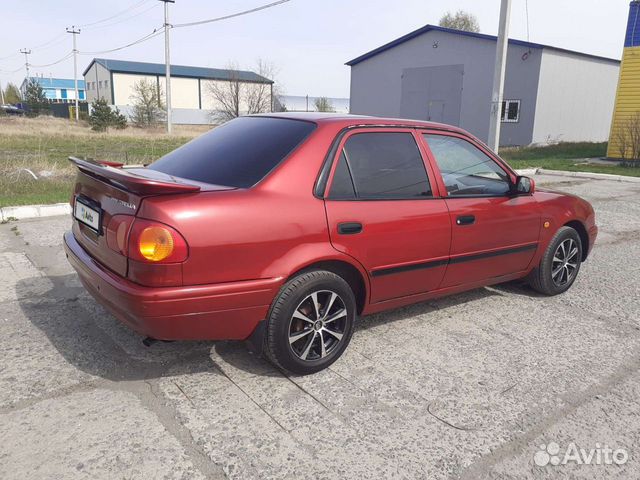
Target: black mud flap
column 255, row 342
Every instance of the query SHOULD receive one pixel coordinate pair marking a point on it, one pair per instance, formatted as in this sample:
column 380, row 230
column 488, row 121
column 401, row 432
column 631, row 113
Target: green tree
column 460, row 20
column 103, row 116
column 148, row 104
column 323, row 104
column 12, row 94
column 34, row 97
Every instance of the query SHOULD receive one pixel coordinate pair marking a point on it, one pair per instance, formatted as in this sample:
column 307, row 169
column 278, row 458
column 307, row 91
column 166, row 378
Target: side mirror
column 525, row 186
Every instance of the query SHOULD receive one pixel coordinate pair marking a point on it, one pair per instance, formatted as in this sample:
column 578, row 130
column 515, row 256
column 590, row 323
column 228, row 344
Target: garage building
column 445, row 75
column 191, row 102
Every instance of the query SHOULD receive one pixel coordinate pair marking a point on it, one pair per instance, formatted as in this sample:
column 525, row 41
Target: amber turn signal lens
column 155, row 244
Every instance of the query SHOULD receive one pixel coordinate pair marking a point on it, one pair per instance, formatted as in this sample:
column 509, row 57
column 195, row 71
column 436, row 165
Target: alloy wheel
column 317, row 325
column 565, row 262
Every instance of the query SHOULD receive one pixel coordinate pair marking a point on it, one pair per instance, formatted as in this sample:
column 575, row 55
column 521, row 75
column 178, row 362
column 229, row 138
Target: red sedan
column 281, row 229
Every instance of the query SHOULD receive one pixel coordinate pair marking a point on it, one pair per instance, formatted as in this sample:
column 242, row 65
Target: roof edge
column 484, row 36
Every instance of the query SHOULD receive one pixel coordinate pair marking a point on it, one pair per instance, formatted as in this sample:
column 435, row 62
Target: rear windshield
column 239, row 153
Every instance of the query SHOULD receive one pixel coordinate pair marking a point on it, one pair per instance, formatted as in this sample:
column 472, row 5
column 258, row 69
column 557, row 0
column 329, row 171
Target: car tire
column 310, row 322
column 560, row 263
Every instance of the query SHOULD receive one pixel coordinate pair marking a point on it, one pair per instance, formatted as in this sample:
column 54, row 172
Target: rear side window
column 380, row 165
column 239, row 153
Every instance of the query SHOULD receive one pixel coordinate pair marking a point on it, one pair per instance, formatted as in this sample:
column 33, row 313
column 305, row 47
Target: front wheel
column 560, row 263
column 311, row 322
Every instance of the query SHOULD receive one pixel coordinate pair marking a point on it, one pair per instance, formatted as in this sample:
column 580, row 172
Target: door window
column 380, row 165
column 467, row 170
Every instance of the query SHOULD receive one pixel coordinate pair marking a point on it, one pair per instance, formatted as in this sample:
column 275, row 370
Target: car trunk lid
column 107, row 189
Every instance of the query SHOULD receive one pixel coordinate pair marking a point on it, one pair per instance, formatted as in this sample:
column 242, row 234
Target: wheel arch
column 350, row 273
column 579, row 227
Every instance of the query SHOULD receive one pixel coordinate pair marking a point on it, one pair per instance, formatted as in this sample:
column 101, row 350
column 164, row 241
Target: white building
column 191, row 99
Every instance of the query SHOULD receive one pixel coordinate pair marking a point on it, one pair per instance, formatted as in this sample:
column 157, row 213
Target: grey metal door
column 432, row 93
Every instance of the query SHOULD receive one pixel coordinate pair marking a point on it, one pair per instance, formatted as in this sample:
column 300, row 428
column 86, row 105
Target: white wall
column 575, row 98
column 123, row 84
column 184, row 92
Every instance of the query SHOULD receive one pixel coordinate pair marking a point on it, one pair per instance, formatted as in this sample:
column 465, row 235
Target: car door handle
column 465, row 220
column 349, row 228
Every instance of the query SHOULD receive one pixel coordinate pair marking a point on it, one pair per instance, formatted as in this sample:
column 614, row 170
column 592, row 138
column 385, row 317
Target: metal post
column 74, row 32
column 498, row 75
column 1, row 95
column 167, row 61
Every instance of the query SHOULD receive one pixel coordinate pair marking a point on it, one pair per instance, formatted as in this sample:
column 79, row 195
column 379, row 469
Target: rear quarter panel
column 268, row 231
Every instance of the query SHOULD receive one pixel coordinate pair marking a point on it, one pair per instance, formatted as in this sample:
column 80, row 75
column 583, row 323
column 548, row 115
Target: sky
column 307, row 41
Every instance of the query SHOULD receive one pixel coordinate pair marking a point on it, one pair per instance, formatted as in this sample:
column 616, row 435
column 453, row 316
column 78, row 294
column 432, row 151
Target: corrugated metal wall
column 628, row 96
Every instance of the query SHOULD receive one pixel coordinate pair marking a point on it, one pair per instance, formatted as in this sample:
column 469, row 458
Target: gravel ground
column 493, row 383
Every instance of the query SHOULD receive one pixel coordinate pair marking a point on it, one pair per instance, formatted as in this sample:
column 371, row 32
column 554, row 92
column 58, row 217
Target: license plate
column 87, row 215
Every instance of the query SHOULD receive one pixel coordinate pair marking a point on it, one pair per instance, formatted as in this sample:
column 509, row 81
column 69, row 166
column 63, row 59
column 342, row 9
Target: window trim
column 505, row 119
column 511, row 175
column 333, row 158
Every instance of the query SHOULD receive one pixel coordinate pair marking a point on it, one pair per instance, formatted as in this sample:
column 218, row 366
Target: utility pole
column 1, row 95
column 167, row 61
column 498, row 75
column 26, row 52
column 75, row 32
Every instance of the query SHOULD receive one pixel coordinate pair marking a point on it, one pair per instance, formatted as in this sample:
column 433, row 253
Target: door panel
column 403, row 244
column 382, row 211
column 502, row 238
column 494, row 232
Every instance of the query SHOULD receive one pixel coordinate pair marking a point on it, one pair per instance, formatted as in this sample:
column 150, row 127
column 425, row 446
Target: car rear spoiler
column 114, row 174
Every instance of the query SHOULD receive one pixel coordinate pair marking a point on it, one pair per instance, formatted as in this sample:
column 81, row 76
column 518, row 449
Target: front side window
column 380, row 165
column 467, row 170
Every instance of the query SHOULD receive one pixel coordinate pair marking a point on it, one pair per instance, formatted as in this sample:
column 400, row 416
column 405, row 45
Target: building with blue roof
column 191, row 98
column 443, row 75
column 57, row 90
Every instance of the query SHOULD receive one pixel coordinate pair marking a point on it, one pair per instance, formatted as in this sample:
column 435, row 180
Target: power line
column 132, row 7
column 68, row 55
column 126, row 19
column 233, row 15
column 149, row 36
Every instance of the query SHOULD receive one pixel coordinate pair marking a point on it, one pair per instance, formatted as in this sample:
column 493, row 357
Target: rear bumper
column 228, row 311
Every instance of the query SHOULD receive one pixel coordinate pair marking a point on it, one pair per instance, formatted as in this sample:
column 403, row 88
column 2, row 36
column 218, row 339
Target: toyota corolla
column 282, row 229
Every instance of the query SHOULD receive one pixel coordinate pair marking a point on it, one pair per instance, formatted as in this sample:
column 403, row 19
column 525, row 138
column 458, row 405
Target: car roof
column 349, row 120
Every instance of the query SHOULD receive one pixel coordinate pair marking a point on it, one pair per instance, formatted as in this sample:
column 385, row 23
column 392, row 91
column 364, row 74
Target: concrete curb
column 527, row 171
column 34, row 211
column 590, row 175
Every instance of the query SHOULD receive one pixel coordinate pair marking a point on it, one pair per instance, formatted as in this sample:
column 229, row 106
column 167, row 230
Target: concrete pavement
column 468, row 386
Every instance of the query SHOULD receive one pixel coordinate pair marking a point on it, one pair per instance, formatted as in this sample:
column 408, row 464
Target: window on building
column 106, row 84
column 380, row 165
column 467, row 170
column 100, row 84
column 510, row 111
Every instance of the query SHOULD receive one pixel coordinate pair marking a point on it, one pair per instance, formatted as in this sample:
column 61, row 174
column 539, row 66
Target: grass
column 565, row 156
column 41, row 146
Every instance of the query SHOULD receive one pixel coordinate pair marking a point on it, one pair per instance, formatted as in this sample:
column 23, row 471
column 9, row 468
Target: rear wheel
column 311, row 322
column 560, row 264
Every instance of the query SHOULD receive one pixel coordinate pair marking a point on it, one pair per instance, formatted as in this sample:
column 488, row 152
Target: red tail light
column 154, row 242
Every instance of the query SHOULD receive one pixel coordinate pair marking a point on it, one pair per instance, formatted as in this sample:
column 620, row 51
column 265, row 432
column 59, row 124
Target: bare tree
column 622, row 140
column 460, row 20
column 227, row 95
column 235, row 97
column 323, row 104
column 632, row 126
column 258, row 96
column 148, row 104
